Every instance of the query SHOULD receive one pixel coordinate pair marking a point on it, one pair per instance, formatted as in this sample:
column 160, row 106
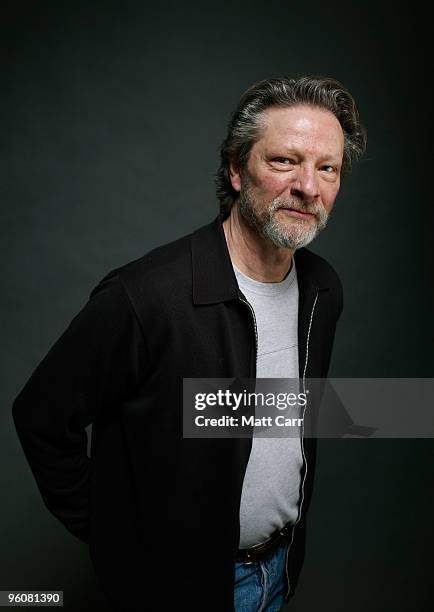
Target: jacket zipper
column 302, row 447
column 242, row 299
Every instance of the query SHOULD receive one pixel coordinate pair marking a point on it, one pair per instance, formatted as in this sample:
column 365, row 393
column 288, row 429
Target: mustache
column 313, row 209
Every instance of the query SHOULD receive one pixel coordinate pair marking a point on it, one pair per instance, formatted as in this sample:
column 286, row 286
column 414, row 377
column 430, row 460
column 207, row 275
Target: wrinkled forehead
column 303, row 126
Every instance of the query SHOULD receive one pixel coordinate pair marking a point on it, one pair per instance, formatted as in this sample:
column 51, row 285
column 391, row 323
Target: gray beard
column 299, row 235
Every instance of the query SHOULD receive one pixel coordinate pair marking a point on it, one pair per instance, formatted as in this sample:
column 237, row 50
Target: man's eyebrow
column 337, row 159
column 282, row 151
column 284, row 148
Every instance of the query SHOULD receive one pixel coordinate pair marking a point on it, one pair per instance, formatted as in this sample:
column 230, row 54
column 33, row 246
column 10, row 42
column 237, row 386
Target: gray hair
column 244, row 125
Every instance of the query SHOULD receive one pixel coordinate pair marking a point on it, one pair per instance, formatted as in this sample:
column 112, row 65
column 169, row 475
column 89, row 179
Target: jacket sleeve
column 93, row 366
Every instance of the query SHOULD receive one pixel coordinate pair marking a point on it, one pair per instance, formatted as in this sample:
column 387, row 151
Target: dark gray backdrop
column 112, row 115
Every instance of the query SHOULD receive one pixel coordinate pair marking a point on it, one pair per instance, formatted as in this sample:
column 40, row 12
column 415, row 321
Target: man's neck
column 253, row 255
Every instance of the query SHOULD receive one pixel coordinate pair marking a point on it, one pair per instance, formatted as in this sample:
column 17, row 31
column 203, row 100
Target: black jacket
column 161, row 513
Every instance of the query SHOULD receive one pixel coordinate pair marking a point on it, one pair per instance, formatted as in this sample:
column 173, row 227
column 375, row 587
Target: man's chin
column 297, row 228
column 286, row 219
column 290, row 239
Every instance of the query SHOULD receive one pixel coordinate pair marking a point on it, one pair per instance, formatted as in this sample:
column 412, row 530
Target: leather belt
column 260, row 551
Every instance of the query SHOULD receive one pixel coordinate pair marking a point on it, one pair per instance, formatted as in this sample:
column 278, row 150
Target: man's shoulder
column 169, row 262
column 321, row 273
column 317, row 268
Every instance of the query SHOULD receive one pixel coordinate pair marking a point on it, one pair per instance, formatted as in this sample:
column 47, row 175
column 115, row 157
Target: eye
column 286, row 161
column 328, row 169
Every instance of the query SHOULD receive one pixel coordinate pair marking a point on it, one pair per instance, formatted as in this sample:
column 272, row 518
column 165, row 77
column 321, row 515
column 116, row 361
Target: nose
column 306, row 185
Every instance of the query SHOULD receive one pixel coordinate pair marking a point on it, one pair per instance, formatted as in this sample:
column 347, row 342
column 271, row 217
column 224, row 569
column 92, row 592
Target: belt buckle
column 251, row 551
column 248, row 560
column 276, row 537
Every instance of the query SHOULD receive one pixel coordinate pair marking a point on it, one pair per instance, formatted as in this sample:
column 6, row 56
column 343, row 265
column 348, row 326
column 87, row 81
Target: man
column 202, row 524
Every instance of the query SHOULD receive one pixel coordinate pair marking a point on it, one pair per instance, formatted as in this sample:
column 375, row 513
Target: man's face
column 292, row 176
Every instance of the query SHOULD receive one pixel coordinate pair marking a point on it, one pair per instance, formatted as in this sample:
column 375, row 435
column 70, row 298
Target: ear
column 234, row 176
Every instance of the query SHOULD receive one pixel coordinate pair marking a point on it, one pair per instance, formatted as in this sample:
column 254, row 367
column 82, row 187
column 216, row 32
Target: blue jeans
column 261, row 586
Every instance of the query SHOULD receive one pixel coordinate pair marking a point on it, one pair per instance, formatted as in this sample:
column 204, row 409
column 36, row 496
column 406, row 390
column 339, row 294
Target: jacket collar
column 213, row 275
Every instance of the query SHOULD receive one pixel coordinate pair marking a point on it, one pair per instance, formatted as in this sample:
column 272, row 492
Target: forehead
column 313, row 129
